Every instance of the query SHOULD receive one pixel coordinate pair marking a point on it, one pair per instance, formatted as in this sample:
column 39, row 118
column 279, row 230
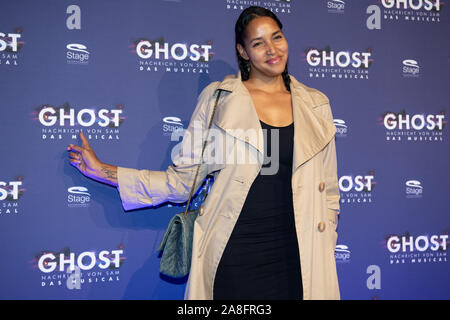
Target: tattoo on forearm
column 110, row 174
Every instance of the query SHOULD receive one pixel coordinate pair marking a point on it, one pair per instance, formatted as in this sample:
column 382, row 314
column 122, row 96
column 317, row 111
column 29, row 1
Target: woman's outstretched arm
column 143, row 188
column 84, row 159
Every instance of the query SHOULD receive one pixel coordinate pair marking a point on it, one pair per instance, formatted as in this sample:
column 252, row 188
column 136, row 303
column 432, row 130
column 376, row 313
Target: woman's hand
column 85, row 160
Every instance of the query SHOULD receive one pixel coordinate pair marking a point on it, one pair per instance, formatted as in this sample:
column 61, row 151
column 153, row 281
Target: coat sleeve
column 330, row 167
column 141, row 188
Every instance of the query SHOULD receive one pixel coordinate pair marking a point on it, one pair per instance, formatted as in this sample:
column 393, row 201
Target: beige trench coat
column 314, row 184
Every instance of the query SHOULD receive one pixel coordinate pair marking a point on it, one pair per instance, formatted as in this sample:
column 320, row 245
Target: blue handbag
column 176, row 245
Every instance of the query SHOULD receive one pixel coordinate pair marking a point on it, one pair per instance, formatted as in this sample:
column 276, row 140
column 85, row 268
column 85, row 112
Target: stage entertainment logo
column 77, row 54
column 66, row 269
column 78, row 197
column 342, row 253
column 411, row 11
column 10, row 194
column 170, row 125
column 421, row 249
column 65, row 122
column 414, row 189
column 357, row 189
column 401, row 126
column 328, row 64
column 335, row 6
column 161, row 56
column 276, row 6
column 410, row 68
column 341, row 128
column 10, row 45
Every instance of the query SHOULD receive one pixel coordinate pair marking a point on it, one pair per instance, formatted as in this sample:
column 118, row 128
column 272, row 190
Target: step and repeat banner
column 128, row 73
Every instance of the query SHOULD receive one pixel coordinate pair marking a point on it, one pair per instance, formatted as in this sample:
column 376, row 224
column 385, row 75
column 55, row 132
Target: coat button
column 321, row 226
column 321, row 186
column 247, row 139
column 200, row 211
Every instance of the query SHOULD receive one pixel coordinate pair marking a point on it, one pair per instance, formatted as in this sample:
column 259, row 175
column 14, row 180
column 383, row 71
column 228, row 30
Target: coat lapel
column 312, row 132
column 237, row 115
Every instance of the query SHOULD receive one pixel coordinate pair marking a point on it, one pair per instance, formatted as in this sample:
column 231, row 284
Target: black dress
column 261, row 259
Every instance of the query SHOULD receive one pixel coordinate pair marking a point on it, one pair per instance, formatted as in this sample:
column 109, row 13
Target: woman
column 262, row 234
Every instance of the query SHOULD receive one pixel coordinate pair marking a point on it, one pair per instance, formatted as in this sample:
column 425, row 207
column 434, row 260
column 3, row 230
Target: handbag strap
column 203, row 149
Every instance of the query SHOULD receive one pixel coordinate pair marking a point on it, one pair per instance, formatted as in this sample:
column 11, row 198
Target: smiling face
column 265, row 47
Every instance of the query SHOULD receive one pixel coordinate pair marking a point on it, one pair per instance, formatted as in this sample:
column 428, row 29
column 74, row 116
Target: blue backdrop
column 68, row 66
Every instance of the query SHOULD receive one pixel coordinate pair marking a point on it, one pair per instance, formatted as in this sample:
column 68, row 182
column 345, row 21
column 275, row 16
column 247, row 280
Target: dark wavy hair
column 241, row 24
